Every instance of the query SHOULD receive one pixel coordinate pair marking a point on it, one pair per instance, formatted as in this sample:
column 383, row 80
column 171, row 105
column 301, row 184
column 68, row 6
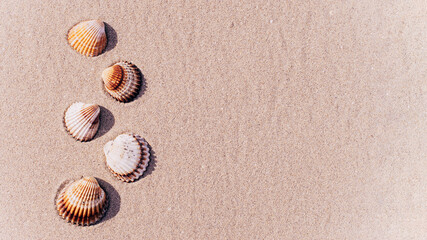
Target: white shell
column 82, row 120
column 127, row 156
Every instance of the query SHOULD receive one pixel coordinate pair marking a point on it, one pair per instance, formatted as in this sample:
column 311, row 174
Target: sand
column 267, row 119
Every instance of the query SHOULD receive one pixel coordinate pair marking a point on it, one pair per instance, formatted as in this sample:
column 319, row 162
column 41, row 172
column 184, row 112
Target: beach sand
column 267, row 119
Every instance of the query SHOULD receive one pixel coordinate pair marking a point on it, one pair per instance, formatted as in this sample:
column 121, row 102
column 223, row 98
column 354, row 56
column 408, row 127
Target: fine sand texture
column 266, row 119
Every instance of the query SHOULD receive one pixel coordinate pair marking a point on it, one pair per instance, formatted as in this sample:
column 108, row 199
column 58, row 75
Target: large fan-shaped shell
column 83, row 202
column 82, row 120
column 88, row 38
column 127, row 156
column 122, row 81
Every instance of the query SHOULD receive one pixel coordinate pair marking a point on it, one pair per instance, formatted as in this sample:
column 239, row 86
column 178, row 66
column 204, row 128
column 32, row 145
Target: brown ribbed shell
column 122, row 81
column 83, row 202
column 112, row 77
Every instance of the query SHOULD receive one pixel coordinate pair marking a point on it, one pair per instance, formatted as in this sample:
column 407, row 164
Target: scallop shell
column 83, row 202
column 127, row 156
column 82, row 120
column 122, row 81
column 88, row 38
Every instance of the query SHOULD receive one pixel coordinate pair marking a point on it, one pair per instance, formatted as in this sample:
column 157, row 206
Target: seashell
column 122, row 81
column 83, row 202
column 88, row 38
column 127, row 156
column 82, row 120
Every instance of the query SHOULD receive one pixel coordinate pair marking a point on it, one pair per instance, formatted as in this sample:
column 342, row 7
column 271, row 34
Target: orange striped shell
column 122, row 81
column 88, row 38
column 83, row 202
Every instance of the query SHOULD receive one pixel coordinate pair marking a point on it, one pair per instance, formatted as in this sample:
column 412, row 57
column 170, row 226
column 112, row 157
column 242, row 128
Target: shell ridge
column 84, row 41
column 89, row 41
column 89, row 129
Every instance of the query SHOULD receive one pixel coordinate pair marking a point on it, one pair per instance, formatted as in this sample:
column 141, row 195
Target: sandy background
column 268, row 120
